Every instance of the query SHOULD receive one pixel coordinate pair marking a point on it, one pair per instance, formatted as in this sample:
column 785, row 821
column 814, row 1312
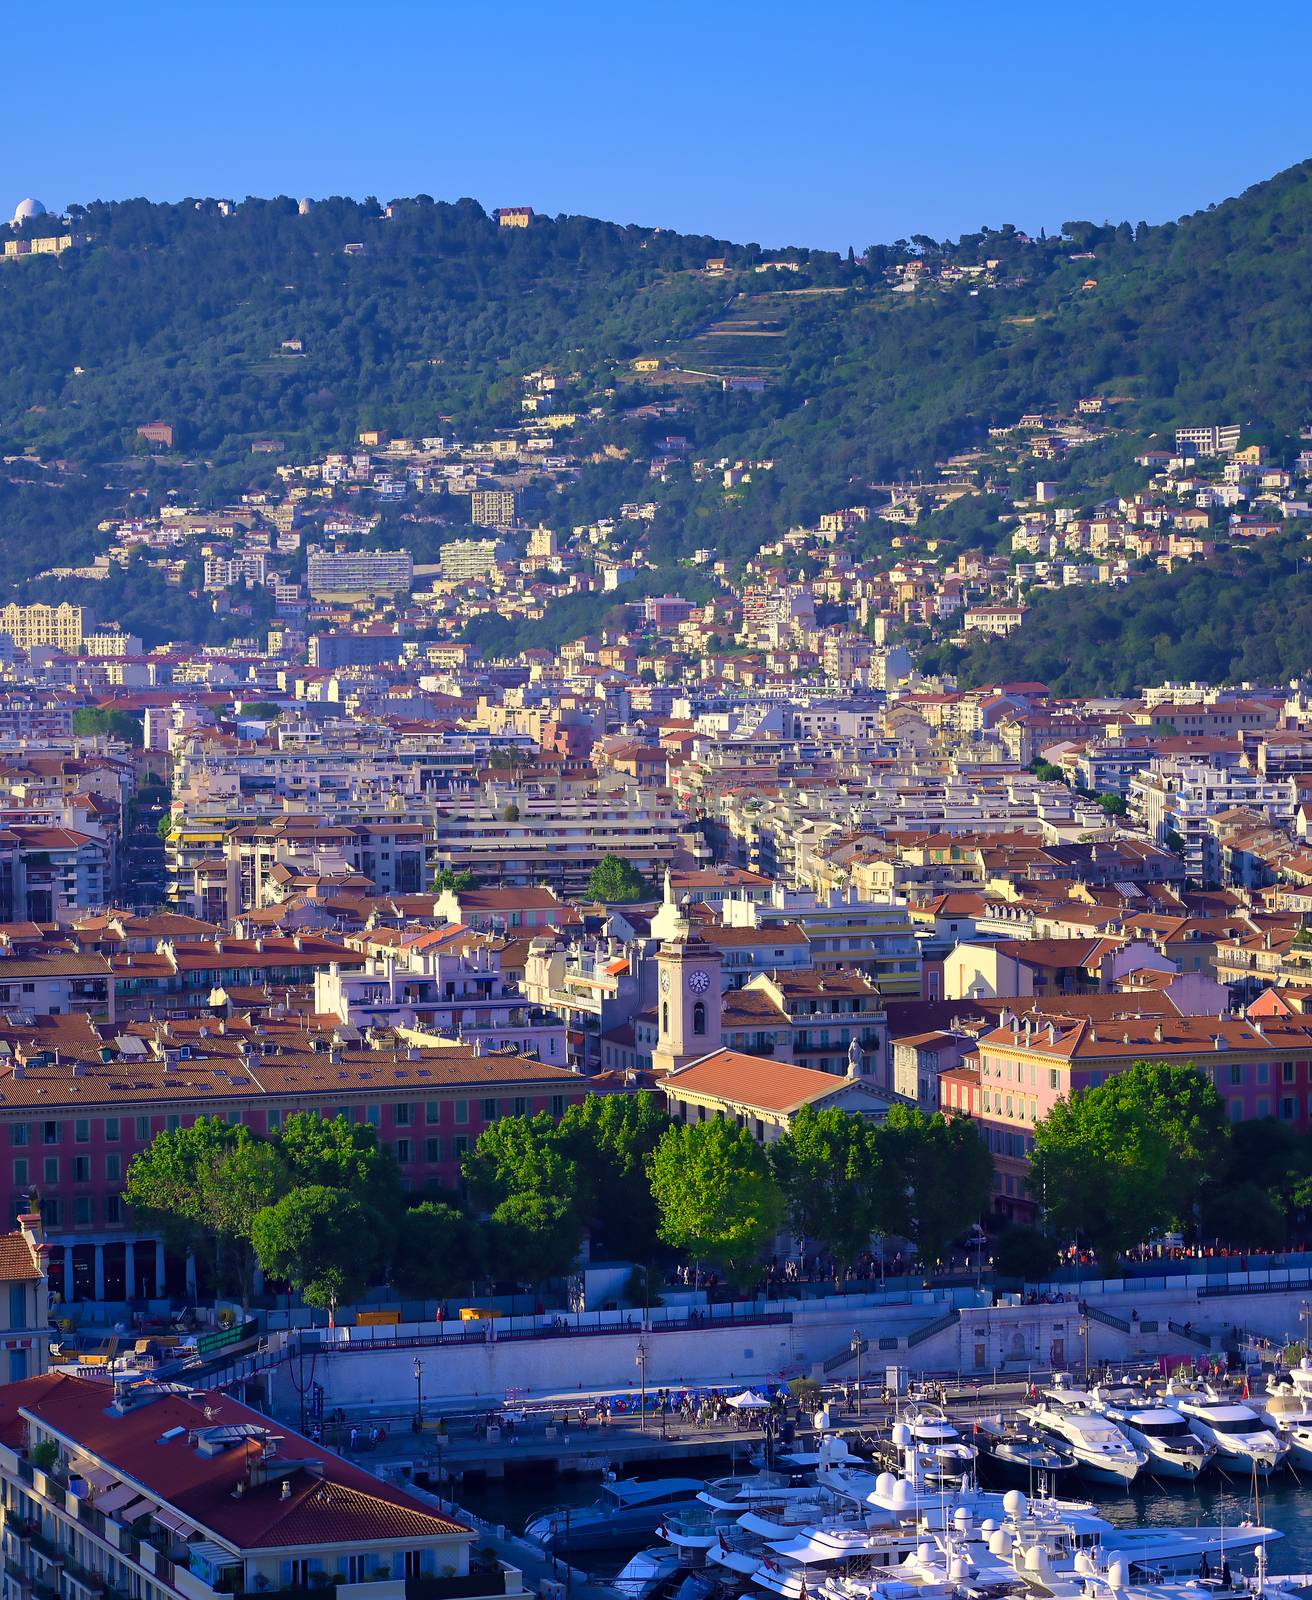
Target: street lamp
column 640, row 1356
column 857, row 1346
column 419, row 1396
column 1305, row 1318
column 1084, row 1333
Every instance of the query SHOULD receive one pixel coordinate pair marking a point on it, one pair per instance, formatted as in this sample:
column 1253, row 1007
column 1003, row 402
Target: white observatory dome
column 25, row 210
column 305, row 207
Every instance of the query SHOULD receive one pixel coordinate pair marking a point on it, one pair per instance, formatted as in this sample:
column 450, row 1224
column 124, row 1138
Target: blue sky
column 826, row 123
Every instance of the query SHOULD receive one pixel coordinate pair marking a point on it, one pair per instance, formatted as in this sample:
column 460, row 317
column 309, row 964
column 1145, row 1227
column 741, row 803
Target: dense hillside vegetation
column 1245, row 617
column 180, row 312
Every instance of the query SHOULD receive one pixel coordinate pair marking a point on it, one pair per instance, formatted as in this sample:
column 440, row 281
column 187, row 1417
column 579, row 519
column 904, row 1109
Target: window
column 82, row 1211
column 20, row 1173
column 403, row 1152
column 52, row 1210
column 1236, row 1072
column 81, row 1169
column 173, row 1123
column 462, row 1110
column 433, row 1112
column 143, row 1129
column 489, row 1111
column 51, row 1132
column 113, row 1167
column 373, row 1114
column 273, row 1121
column 17, row 1305
column 432, row 1151
column 1288, row 1108
column 665, row 1016
column 51, row 1168
column 20, row 1133
column 460, row 1145
column 113, row 1208
column 1286, row 1072
column 558, row 1105
column 111, row 1130
column 401, row 1115
column 699, row 1022
column 521, row 1106
column 82, row 1131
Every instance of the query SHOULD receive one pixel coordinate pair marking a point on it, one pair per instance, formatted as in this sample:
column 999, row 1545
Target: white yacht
column 628, row 1510
column 948, row 1456
column 1102, row 1452
column 1165, row 1437
column 1289, row 1414
column 1244, row 1443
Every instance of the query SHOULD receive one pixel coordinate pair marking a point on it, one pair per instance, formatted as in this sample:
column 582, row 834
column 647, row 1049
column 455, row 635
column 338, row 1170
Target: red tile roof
column 331, row 1502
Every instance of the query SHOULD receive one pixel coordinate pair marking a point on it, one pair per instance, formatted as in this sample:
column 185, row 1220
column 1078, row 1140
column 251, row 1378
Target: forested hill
column 180, row 313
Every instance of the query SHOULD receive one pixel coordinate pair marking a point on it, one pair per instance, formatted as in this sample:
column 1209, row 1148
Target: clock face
column 699, row 982
column 665, row 980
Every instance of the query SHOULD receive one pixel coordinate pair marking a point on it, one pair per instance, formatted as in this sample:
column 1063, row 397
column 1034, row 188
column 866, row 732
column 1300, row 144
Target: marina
column 931, row 1500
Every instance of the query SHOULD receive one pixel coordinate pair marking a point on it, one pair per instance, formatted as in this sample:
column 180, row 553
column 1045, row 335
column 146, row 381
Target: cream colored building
column 40, row 624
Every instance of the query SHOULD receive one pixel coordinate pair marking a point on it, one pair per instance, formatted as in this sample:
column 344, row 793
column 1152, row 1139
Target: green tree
column 615, row 881
column 337, row 1154
column 261, row 710
column 522, row 1172
column 202, row 1186
column 438, row 1252
column 1129, row 1158
column 830, row 1172
column 122, row 725
column 324, row 1242
column 718, row 1200
column 532, row 1237
column 940, row 1178
column 447, row 878
column 609, row 1138
column 1114, row 805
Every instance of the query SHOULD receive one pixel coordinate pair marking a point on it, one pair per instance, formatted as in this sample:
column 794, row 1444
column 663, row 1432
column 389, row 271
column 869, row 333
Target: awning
column 174, row 1523
column 138, row 1508
column 114, row 1499
column 97, row 1477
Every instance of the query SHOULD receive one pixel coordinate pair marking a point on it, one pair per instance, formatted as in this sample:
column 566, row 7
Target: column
column 191, row 1275
column 69, row 1281
column 159, row 1269
column 98, row 1256
column 129, row 1270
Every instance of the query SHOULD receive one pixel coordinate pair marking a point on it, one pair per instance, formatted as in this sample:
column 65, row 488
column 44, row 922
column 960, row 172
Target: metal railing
column 929, row 1329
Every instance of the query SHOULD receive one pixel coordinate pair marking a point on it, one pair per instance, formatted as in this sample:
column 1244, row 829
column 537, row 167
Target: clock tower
column 688, row 1000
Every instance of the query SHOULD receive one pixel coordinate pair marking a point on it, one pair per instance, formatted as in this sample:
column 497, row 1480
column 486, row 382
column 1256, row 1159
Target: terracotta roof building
column 159, row 1493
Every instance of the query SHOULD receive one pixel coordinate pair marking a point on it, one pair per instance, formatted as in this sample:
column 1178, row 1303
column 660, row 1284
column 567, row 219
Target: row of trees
column 321, row 1206
column 1152, row 1150
column 617, row 1168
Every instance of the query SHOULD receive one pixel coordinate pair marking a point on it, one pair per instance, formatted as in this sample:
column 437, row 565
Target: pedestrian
column 355, row 1438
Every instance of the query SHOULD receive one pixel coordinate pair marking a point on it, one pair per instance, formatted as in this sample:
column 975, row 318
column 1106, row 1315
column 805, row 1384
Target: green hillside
column 178, row 312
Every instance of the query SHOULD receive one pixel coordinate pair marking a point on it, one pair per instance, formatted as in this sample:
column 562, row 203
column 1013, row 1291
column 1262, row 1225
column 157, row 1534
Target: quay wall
column 946, row 1332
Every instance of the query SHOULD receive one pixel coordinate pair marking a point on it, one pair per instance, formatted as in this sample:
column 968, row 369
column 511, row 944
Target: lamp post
column 1084, row 1334
column 640, row 1356
column 858, row 1345
column 419, row 1396
column 1305, row 1318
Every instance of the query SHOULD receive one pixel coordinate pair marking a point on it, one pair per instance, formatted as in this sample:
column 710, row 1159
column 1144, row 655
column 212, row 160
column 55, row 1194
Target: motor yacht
column 949, row 1457
column 1289, row 1413
column 629, row 1510
column 1020, row 1453
column 1244, row 1443
column 1102, row 1452
column 1165, row 1437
